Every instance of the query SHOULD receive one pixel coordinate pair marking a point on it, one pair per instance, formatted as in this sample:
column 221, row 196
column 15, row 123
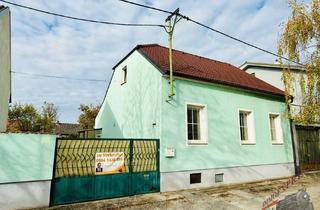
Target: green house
column 222, row 125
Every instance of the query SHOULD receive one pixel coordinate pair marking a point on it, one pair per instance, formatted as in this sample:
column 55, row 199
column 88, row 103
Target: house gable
column 126, row 110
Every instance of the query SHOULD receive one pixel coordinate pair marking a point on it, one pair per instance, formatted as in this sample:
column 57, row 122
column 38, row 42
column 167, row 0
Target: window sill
column 190, row 143
column 248, row 143
column 277, row 143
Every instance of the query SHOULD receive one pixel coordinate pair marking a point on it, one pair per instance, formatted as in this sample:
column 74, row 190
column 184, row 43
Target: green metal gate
column 309, row 147
column 74, row 178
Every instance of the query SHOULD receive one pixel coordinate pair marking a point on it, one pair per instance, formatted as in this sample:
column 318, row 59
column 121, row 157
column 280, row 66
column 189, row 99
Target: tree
column 23, row 118
column 26, row 118
column 88, row 115
column 48, row 117
column 300, row 42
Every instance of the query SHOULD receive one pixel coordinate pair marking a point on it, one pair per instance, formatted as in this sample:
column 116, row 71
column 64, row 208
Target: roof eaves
column 247, row 64
column 232, row 85
column 125, row 57
column 135, row 48
column 162, row 71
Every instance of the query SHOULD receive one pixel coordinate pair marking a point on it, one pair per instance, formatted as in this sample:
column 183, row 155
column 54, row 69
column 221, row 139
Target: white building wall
column 273, row 76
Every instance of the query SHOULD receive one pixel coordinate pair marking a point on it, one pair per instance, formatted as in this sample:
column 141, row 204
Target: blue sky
column 43, row 44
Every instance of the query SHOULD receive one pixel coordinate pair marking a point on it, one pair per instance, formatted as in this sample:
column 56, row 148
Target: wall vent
column 195, row 178
column 219, row 177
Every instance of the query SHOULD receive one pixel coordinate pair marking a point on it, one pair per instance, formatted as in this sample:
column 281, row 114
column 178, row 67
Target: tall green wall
column 224, row 148
column 26, row 157
column 132, row 110
column 4, row 66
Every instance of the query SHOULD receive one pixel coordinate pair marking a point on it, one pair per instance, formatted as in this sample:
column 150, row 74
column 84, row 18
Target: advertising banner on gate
column 109, row 163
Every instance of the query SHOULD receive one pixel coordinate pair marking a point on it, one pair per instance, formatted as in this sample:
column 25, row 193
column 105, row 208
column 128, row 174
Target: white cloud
column 45, row 44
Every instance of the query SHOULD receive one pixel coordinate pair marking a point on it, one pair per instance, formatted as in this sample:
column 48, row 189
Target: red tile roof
column 204, row 69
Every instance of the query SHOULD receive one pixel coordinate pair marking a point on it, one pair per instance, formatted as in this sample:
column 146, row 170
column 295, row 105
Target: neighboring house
column 67, row 129
column 90, row 133
column 306, row 138
column 5, row 66
column 272, row 74
column 223, row 125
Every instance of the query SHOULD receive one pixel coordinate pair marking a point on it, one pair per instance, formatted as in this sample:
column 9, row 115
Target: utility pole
column 172, row 20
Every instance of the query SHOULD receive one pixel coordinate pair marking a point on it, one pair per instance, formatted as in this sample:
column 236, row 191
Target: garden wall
column 26, row 165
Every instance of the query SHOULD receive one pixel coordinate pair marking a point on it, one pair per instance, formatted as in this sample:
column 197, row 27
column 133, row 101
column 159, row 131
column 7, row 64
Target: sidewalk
column 232, row 197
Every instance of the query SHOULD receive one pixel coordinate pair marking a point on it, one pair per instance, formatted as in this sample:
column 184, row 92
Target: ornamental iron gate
column 75, row 178
column 309, row 147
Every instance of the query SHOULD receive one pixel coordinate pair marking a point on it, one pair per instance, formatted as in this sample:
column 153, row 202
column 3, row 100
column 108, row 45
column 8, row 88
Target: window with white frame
column 246, row 125
column 196, row 124
column 275, row 128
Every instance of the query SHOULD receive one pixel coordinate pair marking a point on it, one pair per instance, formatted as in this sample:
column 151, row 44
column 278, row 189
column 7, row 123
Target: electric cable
column 84, row 19
column 57, row 77
column 212, row 29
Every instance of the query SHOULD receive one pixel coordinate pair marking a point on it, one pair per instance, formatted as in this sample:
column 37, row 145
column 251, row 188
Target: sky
column 44, row 44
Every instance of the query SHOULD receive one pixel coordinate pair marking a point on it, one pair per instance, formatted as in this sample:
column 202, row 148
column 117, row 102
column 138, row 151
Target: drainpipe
column 295, row 148
column 295, row 145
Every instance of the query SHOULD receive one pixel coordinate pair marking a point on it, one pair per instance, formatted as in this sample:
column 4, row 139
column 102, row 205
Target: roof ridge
column 148, row 45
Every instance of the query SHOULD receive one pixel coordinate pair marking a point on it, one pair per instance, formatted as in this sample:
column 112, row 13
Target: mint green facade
column 26, row 157
column 132, row 109
column 5, row 66
column 139, row 109
column 224, row 148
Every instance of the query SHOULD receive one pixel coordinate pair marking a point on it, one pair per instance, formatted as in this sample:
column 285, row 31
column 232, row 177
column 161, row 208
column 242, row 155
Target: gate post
column 295, row 148
column 158, row 163
column 130, row 165
column 53, row 174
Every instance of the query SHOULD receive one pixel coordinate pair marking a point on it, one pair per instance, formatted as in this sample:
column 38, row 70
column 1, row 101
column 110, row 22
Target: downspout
column 295, row 145
column 295, row 148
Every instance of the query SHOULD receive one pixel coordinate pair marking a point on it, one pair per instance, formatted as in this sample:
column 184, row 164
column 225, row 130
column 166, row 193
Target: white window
column 196, row 124
column 124, row 75
column 246, row 125
column 275, row 128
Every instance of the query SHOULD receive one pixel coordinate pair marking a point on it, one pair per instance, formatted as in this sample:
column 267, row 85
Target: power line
column 212, row 29
column 151, row 25
column 84, row 19
column 58, row 77
column 241, row 41
column 146, row 6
